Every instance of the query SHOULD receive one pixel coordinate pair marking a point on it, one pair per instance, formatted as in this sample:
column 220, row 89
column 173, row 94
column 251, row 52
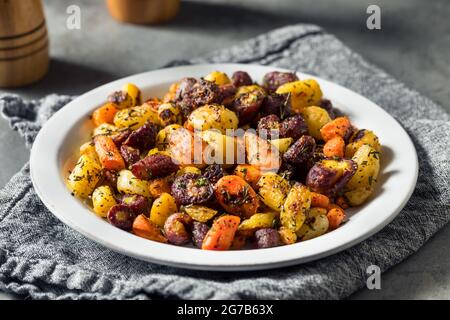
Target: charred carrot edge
column 332, row 206
column 338, row 127
column 144, row 228
column 342, row 202
column 221, row 234
column 335, row 217
column 319, row 200
column 108, row 153
column 334, row 147
column 238, row 241
column 104, row 114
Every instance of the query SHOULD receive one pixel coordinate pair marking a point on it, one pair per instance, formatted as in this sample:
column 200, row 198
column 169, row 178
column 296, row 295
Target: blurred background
column 413, row 45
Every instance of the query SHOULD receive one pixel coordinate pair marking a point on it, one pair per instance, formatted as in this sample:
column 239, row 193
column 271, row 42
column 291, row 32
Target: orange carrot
column 144, row 228
column 158, row 186
column 342, row 202
column 236, row 196
column 238, row 241
column 334, row 147
column 221, row 234
column 333, row 206
column 104, row 114
column 339, row 127
column 319, row 200
column 187, row 125
column 108, row 153
column 335, row 217
column 249, row 173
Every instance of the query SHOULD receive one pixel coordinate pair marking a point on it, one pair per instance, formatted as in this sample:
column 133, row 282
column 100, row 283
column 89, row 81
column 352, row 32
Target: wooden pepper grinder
column 143, row 11
column 23, row 42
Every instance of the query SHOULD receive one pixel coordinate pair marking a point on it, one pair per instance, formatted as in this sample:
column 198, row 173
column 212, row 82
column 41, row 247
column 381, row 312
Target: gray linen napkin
column 42, row 258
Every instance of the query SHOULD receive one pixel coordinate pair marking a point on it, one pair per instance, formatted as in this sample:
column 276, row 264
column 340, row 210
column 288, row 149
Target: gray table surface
column 413, row 45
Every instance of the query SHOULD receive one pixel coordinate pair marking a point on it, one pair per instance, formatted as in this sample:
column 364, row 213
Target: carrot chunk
column 108, row 153
column 221, row 234
column 104, row 114
column 335, row 217
column 144, row 228
column 236, row 196
column 342, row 202
column 249, row 173
column 334, row 147
column 319, row 200
column 339, row 127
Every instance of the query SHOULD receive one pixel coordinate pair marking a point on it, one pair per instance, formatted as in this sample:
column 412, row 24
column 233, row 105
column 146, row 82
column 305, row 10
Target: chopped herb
column 245, row 195
column 201, row 182
column 375, row 154
column 133, row 124
column 284, row 106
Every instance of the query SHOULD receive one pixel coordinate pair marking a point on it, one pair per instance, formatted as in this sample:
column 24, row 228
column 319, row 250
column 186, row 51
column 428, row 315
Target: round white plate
column 62, row 135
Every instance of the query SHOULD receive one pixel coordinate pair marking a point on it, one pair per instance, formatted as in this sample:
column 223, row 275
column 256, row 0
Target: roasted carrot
column 339, row 127
column 333, row 206
column 238, row 241
column 104, row 114
column 158, row 186
column 236, row 196
column 249, row 173
column 144, row 228
column 342, row 202
column 221, row 234
column 108, row 153
column 334, row 147
column 335, row 217
column 187, row 125
column 319, row 200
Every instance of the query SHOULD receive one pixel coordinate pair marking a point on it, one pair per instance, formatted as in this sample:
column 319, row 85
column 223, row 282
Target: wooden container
column 143, row 11
column 23, row 42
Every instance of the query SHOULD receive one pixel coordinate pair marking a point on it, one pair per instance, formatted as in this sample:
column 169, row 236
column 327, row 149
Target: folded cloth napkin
column 42, row 258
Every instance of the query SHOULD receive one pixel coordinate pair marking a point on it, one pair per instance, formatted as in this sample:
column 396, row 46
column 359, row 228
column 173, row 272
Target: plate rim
column 223, row 256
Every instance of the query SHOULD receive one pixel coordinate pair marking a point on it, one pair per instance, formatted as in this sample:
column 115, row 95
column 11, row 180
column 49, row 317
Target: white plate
column 62, row 135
